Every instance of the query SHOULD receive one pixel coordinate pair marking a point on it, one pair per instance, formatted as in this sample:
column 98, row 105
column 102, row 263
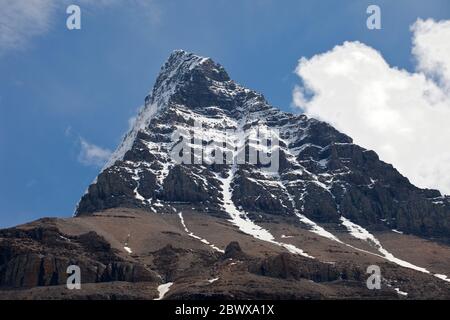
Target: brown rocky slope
column 34, row 258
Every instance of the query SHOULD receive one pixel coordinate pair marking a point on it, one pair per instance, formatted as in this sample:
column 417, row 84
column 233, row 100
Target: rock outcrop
column 40, row 256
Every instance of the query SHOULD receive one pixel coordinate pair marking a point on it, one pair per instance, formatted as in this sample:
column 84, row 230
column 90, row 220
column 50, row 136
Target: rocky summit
column 305, row 225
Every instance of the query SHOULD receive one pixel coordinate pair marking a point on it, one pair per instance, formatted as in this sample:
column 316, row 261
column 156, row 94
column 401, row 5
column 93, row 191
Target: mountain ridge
column 307, row 224
column 192, row 86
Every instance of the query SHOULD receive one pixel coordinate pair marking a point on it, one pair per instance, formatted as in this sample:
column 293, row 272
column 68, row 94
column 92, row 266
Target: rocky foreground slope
column 307, row 229
column 130, row 254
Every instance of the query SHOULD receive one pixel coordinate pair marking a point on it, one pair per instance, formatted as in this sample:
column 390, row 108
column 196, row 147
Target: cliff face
column 40, row 254
column 320, row 172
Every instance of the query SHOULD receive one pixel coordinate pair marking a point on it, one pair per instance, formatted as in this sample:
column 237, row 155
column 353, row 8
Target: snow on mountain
column 213, row 182
column 322, row 178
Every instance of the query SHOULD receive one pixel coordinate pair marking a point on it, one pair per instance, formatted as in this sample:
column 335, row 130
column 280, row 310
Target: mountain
column 294, row 210
column 322, row 175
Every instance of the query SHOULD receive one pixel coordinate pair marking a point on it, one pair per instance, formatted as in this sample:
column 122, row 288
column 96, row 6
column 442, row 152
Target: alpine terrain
column 308, row 225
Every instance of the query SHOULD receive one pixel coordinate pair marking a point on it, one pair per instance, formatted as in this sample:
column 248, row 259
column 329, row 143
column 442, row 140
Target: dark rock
column 322, row 173
column 40, row 256
column 288, row 266
column 234, row 251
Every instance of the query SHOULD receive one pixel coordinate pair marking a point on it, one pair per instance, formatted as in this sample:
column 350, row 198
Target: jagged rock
column 234, row 251
column 288, row 266
column 326, row 175
column 40, row 256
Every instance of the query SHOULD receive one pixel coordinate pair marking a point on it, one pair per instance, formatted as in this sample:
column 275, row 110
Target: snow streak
column 243, row 222
column 360, row 233
column 180, row 214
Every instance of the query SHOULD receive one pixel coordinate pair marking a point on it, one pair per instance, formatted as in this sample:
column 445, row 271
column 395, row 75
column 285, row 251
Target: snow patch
column 64, row 238
column 136, row 178
column 213, row 280
column 241, row 220
column 143, row 119
column 362, row 234
column 163, row 289
column 442, row 277
column 402, row 293
column 128, row 249
column 314, row 227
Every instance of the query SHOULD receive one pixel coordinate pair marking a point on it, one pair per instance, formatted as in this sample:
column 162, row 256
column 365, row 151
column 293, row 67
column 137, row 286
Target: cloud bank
column 403, row 116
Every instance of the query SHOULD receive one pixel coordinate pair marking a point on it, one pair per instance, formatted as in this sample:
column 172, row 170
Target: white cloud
column 131, row 122
column 431, row 43
column 92, row 155
column 22, row 20
column 403, row 116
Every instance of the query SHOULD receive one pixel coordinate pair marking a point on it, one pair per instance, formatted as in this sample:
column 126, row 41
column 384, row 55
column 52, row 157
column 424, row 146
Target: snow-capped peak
column 321, row 174
column 177, row 71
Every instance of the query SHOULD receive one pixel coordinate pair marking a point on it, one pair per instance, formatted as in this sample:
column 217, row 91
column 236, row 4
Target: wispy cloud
column 93, row 155
column 403, row 116
column 22, row 20
column 68, row 131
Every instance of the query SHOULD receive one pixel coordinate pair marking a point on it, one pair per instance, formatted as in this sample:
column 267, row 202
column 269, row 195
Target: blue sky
column 60, row 86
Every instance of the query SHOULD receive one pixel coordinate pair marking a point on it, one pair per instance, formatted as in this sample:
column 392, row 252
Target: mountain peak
column 182, row 76
column 320, row 174
column 181, row 61
column 182, row 67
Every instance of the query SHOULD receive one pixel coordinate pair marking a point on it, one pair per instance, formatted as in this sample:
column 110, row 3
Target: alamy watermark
column 73, row 21
column 258, row 145
column 373, row 22
column 374, row 280
column 74, row 278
